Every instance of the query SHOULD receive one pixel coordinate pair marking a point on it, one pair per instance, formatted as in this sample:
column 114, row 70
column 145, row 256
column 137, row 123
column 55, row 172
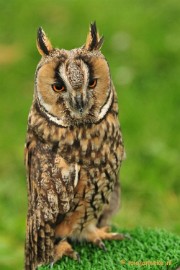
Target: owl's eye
column 58, row 86
column 92, row 83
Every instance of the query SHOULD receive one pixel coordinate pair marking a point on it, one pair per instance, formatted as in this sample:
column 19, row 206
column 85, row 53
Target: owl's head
column 73, row 87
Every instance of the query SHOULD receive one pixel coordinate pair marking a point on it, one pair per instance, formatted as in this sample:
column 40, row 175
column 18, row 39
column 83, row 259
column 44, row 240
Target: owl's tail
column 39, row 246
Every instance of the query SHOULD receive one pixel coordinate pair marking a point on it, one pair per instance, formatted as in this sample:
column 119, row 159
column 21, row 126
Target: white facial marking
column 86, row 75
column 64, row 77
column 106, row 106
column 45, row 108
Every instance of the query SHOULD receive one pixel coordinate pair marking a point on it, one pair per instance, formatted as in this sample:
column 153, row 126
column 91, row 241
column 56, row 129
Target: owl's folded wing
column 51, row 182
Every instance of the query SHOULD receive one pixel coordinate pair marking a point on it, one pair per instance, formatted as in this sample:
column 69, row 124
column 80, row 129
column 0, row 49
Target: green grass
column 147, row 249
column 142, row 45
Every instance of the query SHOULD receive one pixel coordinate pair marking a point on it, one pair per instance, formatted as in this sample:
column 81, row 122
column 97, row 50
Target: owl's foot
column 96, row 235
column 63, row 248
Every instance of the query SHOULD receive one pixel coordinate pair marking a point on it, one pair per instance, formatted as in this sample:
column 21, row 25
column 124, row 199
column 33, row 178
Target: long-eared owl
column 73, row 151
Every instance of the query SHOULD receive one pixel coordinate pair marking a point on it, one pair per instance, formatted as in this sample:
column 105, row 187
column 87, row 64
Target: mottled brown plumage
column 73, row 151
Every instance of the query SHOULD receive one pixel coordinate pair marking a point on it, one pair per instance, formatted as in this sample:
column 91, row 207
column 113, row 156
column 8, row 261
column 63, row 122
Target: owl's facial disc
column 74, row 87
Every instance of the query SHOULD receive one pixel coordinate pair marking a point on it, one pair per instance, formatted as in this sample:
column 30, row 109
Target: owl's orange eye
column 58, row 87
column 92, row 83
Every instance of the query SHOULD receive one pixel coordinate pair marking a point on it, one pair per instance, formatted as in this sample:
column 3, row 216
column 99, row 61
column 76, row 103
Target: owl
column 73, row 152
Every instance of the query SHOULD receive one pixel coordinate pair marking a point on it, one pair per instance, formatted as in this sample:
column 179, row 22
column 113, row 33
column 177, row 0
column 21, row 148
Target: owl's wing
column 51, row 182
column 112, row 207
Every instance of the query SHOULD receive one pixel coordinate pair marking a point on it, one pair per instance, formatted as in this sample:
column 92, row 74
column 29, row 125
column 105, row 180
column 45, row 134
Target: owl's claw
column 78, row 257
column 74, row 255
column 51, row 265
column 98, row 234
column 100, row 244
column 116, row 236
column 127, row 235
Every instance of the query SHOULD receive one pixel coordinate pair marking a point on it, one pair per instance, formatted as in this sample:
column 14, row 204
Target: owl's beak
column 79, row 102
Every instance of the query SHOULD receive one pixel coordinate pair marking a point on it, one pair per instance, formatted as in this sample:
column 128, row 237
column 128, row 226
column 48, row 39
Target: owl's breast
column 88, row 145
column 93, row 145
column 98, row 150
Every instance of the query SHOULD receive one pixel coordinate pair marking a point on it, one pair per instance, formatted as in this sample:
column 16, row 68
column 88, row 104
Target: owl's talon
column 100, row 244
column 51, row 265
column 120, row 236
column 74, row 255
column 78, row 257
column 117, row 236
column 103, row 247
column 127, row 235
column 98, row 234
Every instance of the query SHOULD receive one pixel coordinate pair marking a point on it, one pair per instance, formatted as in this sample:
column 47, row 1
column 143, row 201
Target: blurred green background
column 142, row 46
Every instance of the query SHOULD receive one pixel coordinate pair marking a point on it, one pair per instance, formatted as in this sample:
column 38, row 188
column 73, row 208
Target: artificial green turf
column 147, row 249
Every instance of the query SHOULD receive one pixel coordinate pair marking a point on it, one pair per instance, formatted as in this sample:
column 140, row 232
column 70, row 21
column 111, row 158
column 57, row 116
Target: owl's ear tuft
column 93, row 41
column 43, row 43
